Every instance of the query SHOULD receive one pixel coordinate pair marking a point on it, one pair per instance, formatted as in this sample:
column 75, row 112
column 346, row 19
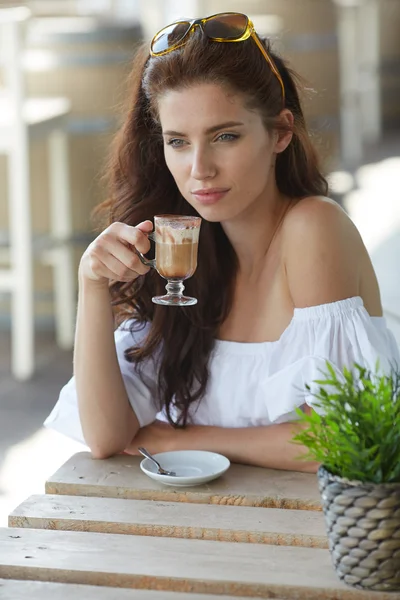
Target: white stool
column 359, row 53
column 20, row 120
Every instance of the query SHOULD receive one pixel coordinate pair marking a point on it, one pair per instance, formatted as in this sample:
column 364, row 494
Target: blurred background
column 63, row 66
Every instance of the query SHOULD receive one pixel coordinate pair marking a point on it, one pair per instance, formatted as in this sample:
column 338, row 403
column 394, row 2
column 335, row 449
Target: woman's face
column 218, row 151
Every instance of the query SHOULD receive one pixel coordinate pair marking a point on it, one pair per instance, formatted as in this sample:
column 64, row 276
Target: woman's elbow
column 104, row 445
column 100, row 450
column 309, row 467
column 101, row 453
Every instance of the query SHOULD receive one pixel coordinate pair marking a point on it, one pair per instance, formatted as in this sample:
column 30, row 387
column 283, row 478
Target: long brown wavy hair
column 141, row 186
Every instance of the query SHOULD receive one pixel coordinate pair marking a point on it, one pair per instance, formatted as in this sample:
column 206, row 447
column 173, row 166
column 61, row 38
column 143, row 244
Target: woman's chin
column 216, row 213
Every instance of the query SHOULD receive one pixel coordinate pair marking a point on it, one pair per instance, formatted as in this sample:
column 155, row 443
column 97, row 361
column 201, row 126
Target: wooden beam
column 176, row 565
column 121, row 477
column 10, row 589
column 173, row 519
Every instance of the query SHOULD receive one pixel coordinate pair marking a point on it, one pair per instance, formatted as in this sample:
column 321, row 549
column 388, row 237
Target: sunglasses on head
column 223, row 27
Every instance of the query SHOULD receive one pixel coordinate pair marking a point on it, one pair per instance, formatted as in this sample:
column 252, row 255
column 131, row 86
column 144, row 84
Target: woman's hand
column 112, row 255
column 269, row 446
column 156, row 437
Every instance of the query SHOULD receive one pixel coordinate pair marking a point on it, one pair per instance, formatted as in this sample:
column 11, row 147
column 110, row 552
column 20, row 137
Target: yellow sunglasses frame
column 249, row 32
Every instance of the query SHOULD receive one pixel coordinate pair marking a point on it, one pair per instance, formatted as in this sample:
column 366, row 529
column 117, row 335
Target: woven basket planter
column 363, row 526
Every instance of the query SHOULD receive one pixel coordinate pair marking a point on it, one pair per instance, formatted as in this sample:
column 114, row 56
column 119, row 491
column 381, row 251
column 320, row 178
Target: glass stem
column 175, row 288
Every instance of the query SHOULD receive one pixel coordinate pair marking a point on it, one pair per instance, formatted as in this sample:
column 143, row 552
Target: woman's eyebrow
column 212, row 129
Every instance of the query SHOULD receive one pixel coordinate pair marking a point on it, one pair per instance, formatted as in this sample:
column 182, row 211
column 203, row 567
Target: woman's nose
column 203, row 166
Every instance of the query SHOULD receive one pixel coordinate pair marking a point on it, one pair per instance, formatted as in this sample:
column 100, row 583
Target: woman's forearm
column 108, row 422
column 270, row 446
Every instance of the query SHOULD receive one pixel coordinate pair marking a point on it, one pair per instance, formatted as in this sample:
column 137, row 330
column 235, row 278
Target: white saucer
column 192, row 467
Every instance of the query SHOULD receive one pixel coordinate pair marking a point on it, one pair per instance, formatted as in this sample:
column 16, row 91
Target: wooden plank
column 173, row 519
column 121, row 477
column 10, row 589
column 177, row 565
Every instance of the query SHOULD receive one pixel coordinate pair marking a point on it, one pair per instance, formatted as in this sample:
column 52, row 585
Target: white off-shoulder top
column 254, row 384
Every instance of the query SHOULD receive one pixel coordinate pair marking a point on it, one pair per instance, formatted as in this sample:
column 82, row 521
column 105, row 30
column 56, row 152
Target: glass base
column 171, row 300
column 174, row 296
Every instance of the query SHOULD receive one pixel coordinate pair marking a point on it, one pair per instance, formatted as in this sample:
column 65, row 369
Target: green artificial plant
column 357, row 434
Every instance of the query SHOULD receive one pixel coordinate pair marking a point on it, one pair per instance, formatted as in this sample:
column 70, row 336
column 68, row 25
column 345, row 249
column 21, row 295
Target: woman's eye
column 175, row 143
column 228, row 137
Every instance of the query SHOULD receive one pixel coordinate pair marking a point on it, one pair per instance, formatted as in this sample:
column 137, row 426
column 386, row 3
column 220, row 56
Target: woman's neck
column 251, row 234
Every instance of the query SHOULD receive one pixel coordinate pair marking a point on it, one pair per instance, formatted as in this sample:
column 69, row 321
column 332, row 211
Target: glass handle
column 152, row 262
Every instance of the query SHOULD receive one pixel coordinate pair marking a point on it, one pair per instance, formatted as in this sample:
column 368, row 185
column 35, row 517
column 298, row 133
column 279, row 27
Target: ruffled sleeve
column 256, row 384
column 342, row 333
column 141, row 388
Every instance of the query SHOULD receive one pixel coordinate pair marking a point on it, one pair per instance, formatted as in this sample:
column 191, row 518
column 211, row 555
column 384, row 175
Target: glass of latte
column 177, row 240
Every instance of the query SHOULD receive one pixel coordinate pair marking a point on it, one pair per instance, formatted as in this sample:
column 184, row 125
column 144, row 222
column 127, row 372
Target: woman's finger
column 133, row 235
column 127, row 255
column 102, row 261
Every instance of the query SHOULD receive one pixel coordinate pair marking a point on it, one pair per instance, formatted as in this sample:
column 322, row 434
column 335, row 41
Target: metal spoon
column 160, row 470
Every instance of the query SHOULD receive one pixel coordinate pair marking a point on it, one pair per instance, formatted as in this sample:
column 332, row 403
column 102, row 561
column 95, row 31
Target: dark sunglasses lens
column 226, row 26
column 170, row 36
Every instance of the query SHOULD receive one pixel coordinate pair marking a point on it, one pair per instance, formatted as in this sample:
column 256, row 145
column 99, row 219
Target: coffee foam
column 177, row 234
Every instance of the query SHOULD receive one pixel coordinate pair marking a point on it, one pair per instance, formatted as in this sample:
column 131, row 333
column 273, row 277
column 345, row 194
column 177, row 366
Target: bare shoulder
column 318, row 223
column 323, row 253
column 315, row 214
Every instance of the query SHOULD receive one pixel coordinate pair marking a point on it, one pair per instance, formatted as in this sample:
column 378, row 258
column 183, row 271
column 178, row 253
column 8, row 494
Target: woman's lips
column 210, row 196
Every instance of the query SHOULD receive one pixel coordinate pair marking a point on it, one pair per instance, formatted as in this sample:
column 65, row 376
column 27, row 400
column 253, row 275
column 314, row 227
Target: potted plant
column 355, row 436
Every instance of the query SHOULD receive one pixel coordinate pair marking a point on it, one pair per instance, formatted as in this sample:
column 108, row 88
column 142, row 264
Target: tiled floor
column 24, row 405
column 29, row 453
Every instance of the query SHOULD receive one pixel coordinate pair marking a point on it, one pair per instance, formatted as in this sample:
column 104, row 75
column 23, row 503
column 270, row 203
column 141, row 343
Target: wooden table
column 103, row 526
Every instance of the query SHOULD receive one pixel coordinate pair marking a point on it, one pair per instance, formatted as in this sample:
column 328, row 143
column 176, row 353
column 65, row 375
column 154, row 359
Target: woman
column 215, row 128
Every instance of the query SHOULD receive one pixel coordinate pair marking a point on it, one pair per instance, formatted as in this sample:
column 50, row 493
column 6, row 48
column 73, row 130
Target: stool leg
column 61, row 231
column 371, row 110
column 22, row 306
column 350, row 111
column 21, row 268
